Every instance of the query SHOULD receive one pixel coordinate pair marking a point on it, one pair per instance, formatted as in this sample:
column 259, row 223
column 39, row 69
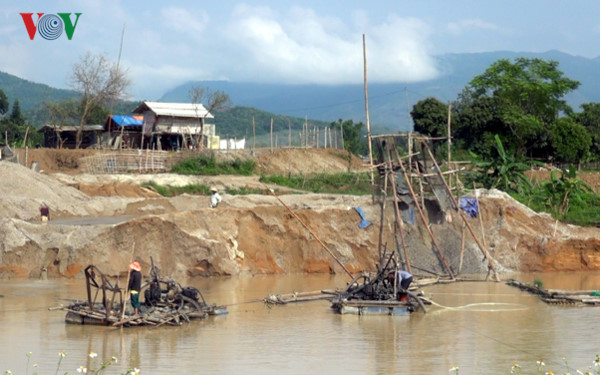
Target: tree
column 476, row 123
column 430, row 117
column 353, row 140
column 99, row 81
column 16, row 116
column 3, row 103
column 213, row 101
column 571, row 141
column 590, row 119
column 503, row 171
column 530, row 98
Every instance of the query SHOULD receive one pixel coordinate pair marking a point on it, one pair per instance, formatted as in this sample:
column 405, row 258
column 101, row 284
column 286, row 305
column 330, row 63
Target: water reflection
column 502, row 325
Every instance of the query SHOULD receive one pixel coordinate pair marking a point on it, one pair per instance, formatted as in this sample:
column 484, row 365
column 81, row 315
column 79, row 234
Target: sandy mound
column 257, row 233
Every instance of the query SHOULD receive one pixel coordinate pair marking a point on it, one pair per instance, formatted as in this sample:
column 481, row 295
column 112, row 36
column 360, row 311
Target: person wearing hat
column 135, row 285
column 215, row 198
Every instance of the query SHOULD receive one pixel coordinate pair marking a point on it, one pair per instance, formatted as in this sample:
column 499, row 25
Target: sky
column 167, row 43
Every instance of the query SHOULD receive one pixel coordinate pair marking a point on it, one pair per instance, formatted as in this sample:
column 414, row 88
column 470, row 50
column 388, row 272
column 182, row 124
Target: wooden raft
column 560, row 296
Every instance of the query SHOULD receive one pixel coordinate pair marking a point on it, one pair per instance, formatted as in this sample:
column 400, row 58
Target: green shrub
column 208, row 166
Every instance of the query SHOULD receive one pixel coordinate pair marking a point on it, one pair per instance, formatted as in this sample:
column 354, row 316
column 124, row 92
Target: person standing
column 45, row 213
column 215, row 198
column 135, row 285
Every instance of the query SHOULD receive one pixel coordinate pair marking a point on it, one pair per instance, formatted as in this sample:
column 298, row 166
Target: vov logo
column 50, row 26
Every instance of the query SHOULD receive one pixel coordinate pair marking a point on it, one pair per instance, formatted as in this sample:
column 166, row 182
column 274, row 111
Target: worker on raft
column 404, row 278
column 134, row 286
column 215, row 198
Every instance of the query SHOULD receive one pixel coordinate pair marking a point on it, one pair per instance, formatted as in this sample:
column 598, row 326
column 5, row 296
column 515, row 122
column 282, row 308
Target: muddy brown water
column 483, row 328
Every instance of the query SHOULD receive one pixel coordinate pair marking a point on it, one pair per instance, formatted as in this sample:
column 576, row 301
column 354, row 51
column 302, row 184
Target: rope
column 468, row 307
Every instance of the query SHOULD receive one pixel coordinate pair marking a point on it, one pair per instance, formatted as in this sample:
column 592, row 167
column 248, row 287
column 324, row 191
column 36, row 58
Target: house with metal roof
column 65, row 136
column 173, row 125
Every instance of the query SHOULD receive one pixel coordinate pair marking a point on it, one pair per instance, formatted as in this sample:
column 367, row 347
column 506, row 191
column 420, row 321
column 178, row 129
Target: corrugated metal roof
column 70, row 128
column 175, row 109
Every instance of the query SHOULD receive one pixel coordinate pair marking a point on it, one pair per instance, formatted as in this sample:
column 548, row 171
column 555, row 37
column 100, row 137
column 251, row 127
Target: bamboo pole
column 309, row 230
column 449, row 142
column 271, row 134
column 425, row 223
column 390, row 175
column 253, row 135
column 382, row 218
column 367, row 115
column 462, row 248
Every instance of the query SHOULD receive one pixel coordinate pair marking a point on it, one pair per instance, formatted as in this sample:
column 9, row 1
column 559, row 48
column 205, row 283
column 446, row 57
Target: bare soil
column 255, row 234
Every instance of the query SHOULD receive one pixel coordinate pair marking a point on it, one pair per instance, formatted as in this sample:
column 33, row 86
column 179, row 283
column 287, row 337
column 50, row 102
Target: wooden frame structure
column 411, row 177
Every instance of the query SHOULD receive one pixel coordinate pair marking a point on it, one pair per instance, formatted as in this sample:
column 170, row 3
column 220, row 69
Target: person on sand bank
column 134, row 286
column 45, row 213
column 215, row 198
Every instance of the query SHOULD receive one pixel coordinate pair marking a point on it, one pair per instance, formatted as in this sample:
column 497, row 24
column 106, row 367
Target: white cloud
column 300, row 46
column 181, row 20
column 469, row 25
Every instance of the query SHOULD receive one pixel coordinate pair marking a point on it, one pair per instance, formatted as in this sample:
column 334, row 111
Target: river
column 481, row 327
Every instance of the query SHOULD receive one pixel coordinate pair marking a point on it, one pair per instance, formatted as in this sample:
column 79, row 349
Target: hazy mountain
column 31, row 94
column 390, row 103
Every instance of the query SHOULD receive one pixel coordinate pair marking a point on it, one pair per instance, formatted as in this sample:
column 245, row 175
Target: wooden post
column 425, row 223
column 463, row 217
column 449, row 144
column 309, row 230
column 390, row 175
column 462, row 248
column 289, row 133
column 382, row 219
column 253, row 135
column 271, row 135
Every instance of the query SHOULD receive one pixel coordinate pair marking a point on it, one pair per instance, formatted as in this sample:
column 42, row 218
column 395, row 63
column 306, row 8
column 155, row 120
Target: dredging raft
column 166, row 302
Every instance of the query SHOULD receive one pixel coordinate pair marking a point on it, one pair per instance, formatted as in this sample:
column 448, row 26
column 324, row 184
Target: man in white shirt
column 215, row 198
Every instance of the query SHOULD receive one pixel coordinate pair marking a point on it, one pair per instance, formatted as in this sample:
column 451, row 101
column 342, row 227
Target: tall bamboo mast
column 367, row 112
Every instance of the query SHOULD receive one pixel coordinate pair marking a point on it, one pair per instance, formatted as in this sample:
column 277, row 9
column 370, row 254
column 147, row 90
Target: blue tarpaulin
column 469, row 205
column 122, row 120
column 364, row 222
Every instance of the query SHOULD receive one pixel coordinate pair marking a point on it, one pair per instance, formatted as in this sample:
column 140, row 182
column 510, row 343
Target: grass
column 584, row 208
column 208, row 166
column 333, row 183
column 172, row 191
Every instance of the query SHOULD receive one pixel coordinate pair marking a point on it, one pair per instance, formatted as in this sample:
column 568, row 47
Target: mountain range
column 389, row 103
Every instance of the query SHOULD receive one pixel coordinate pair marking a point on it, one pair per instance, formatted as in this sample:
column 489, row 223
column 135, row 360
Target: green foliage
column 589, row 117
column 340, row 183
column 354, row 141
column 571, row 141
column 208, row 165
column 561, row 191
column 172, row 191
column 430, row 117
column 3, row 103
column 538, row 283
column 503, row 171
column 528, row 97
column 566, row 198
